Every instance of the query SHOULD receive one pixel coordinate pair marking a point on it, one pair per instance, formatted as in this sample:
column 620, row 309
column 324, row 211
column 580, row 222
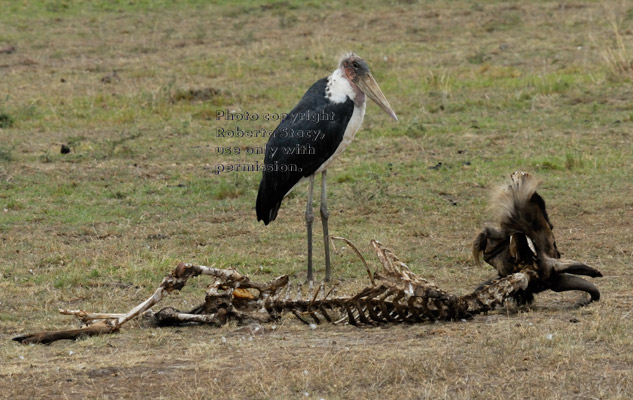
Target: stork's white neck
column 339, row 89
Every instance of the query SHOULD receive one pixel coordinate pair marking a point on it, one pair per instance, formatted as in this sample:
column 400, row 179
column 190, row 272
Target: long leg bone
column 176, row 280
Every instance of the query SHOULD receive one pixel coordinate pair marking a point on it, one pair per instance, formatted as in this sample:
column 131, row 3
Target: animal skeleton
column 396, row 294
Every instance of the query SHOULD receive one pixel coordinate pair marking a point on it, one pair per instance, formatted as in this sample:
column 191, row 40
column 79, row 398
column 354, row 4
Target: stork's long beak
column 368, row 85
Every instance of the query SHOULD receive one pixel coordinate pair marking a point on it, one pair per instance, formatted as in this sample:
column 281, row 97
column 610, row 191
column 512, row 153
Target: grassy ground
column 133, row 89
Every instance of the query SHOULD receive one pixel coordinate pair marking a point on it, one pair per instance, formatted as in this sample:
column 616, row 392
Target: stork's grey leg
column 325, row 215
column 309, row 219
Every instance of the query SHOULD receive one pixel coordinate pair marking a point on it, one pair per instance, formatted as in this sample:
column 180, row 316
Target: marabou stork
column 312, row 135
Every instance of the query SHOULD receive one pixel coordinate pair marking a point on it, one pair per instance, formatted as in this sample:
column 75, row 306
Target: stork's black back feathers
column 300, row 145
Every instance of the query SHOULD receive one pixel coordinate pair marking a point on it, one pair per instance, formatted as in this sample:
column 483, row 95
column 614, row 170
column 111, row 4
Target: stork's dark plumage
column 313, row 134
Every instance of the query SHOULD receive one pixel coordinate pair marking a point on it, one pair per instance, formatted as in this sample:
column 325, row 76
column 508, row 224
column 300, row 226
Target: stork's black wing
column 302, row 142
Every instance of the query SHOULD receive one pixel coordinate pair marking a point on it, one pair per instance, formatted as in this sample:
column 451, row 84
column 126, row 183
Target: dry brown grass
column 617, row 55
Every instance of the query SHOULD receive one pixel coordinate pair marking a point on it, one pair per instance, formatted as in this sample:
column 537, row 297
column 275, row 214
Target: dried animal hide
column 525, row 240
